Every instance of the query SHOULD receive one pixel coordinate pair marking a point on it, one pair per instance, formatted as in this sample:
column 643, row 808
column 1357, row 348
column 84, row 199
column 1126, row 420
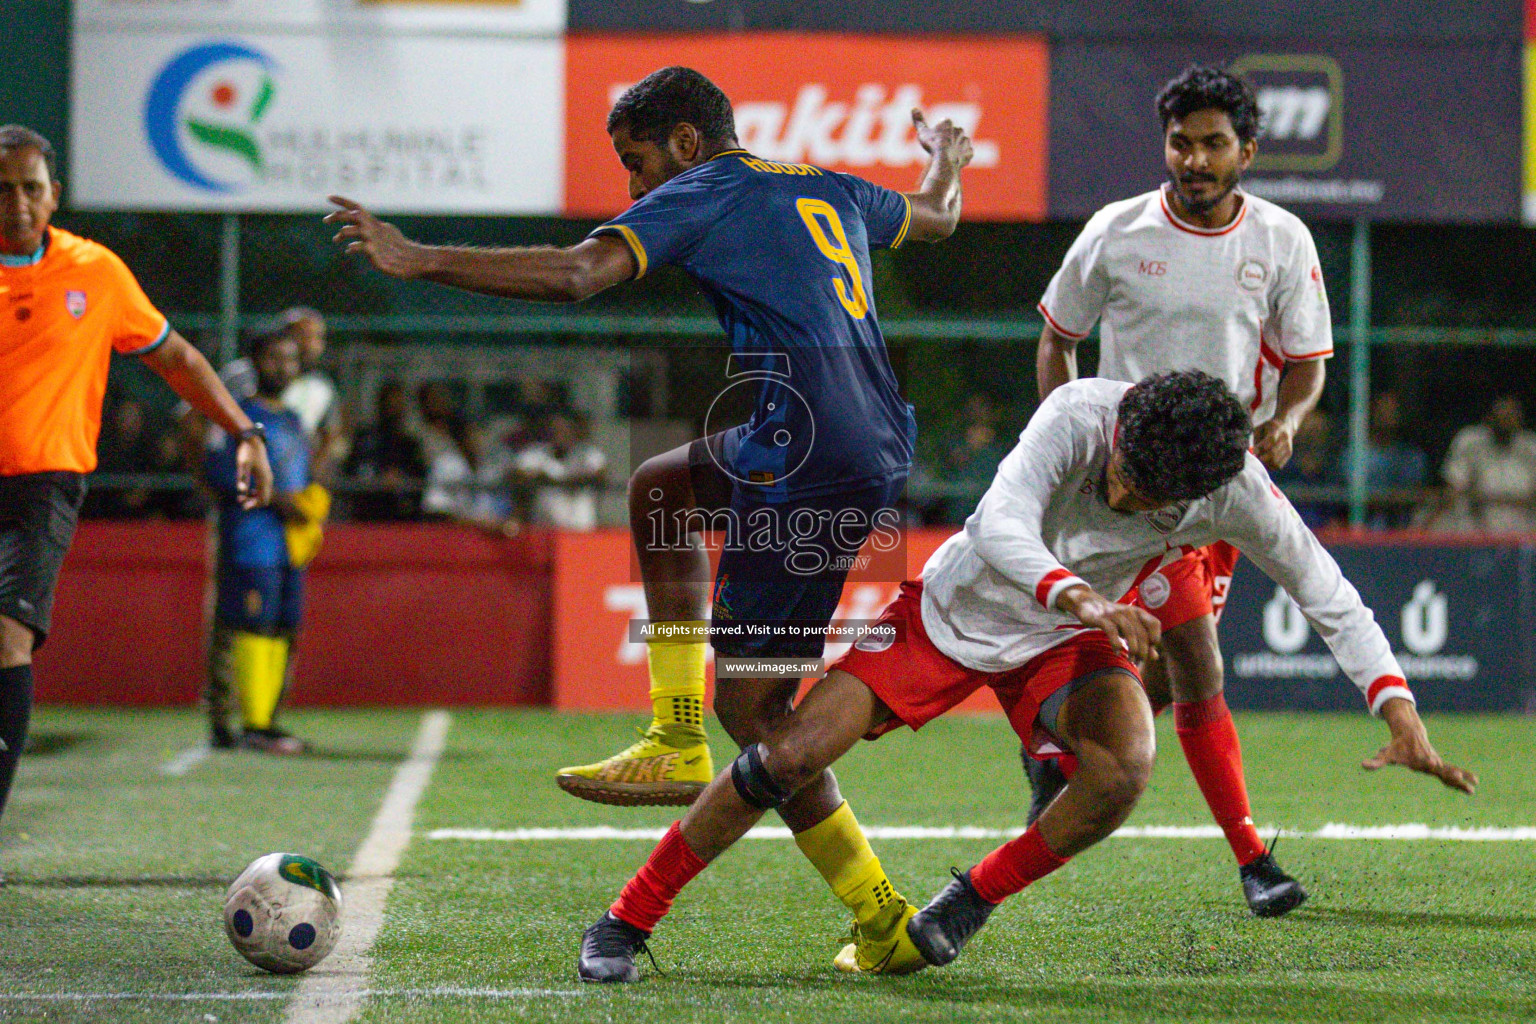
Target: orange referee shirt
column 63, row 311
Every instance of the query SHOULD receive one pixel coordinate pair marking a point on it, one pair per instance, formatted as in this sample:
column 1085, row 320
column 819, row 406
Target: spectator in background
column 313, row 397
column 439, row 419
column 468, row 482
column 1313, row 467
column 387, row 457
column 972, row 459
column 128, row 445
column 1491, row 470
column 1392, row 465
column 563, row 473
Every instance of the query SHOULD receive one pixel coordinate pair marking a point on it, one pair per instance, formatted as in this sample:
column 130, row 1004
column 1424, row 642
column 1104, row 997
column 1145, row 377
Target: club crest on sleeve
column 75, row 302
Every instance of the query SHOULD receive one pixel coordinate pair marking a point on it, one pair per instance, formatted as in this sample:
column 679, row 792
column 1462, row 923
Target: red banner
column 837, row 101
column 595, row 667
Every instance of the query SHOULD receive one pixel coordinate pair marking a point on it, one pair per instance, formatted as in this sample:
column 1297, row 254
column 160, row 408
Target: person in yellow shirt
column 66, row 304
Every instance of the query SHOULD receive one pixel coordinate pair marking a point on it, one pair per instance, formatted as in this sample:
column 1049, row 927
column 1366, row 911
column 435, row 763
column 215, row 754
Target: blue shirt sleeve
column 666, row 225
column 887, row 215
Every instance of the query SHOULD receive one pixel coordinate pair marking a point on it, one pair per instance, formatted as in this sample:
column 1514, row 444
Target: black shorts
column 38, row 512
column 797, row 580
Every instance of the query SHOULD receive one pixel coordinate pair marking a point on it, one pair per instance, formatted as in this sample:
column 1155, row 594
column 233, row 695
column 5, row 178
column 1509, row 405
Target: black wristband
column 254, row 430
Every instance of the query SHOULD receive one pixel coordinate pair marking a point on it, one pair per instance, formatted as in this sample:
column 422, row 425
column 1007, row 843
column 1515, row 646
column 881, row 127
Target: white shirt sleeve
column 1301, row 316
column 1255, row 516
column 1007, row 528
column 1076, row 295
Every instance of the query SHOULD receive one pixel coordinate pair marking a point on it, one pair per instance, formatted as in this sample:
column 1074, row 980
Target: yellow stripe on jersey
column 901, row 236
column 626, row 233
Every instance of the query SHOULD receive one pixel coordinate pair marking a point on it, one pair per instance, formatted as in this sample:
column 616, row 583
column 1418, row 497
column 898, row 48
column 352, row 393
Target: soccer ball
column 283, row 913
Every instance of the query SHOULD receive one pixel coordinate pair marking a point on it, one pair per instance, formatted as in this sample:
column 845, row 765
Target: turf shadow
column 50, row 744
column 111, row 882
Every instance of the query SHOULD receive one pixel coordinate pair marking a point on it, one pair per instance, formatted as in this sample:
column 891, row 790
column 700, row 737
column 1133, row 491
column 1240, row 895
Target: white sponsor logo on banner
column 411, row 124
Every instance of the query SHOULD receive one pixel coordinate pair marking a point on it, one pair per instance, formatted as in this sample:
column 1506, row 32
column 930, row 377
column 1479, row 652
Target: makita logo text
column 1293, row 113
column 875, row 129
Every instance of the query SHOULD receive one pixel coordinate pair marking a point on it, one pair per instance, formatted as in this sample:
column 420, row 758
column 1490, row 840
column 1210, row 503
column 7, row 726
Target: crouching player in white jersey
column 1108, row 483
column 1199, row 275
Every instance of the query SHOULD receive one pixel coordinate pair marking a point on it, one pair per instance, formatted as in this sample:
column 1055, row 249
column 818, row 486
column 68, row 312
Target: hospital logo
column 202, row 113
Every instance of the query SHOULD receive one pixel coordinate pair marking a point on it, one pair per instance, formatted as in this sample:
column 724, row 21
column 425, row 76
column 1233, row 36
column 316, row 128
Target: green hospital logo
column 202, row 113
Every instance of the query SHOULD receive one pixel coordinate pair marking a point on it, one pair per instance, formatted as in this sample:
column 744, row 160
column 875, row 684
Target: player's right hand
column 253, row 473
column 1135, row 628
column 382, row 242
column 945, row 137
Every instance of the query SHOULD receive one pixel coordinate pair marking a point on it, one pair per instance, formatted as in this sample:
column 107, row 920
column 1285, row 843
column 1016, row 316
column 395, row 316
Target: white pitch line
column 185, row 761
column 1332, row 830
column 252, row 997
column 333, row 992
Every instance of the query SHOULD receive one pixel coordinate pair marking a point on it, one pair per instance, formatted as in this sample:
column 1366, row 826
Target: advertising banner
column 275, row 122
column 1066, row 19
column 481, row 17
column 1459, row 619
column 595, row 663
column 1462, row 620
column 1378, row 131
column 841, row 102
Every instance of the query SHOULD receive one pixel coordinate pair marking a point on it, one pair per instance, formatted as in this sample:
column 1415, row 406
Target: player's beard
column 1224, row 187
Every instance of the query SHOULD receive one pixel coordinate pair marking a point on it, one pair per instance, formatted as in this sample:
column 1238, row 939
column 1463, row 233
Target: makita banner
column 1461, row 620
column 1068, row 19
column 1377, row 131
column 841, row 102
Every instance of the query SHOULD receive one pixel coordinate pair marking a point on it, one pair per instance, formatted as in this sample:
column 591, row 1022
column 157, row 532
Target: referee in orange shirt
column 65, row 305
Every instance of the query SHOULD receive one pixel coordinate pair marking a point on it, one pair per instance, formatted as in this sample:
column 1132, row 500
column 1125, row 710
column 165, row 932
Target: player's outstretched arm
column 1410, row 747
column 542, row 273
column 936, row 203
column 1300, row 388
column 191, row 376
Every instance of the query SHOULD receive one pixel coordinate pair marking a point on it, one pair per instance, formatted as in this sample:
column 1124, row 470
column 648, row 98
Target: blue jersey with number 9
column 782, row 251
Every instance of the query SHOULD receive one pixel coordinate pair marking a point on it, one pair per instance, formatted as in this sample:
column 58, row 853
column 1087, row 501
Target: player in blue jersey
column 782, row 252
column 261, row 557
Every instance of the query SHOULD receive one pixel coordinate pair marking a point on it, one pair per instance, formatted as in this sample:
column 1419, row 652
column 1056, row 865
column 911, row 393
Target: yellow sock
column 255, row 657
column 843, row 856
column 677, row 681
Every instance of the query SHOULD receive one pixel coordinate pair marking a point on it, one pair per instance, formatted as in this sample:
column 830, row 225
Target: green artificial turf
column 118, row 873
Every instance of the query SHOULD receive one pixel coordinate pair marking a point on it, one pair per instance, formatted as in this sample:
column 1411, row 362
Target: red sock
column 1014, row 865
column 648, row 896
column 1209, row 739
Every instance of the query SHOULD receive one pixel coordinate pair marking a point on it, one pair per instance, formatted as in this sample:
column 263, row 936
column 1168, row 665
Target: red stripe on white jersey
column 1049, row 580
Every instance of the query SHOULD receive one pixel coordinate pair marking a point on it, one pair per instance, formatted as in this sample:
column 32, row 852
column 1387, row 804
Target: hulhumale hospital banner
column 272, row 121
column 1377, row 131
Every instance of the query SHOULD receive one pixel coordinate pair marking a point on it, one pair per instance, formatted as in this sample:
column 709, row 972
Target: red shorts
column 1193, row 586
column 919, row 682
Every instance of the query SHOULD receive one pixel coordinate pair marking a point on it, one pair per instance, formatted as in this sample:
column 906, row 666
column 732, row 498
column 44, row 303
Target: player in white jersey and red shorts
column 1109, row 483
column 1198, row 274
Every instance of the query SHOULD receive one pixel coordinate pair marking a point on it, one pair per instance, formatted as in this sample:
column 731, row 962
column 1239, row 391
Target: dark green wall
column 34, row 90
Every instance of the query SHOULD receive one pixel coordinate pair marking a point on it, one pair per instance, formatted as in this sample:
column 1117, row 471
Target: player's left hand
column 1410, row 748
column 945, row 137
column 253, row 473
column 383, row 243
column 1272, row 443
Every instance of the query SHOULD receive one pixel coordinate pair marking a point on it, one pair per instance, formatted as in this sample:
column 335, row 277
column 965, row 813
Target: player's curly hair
column 1202, row 87
column 1182, row 435
column 664, row 99
column 16, row 136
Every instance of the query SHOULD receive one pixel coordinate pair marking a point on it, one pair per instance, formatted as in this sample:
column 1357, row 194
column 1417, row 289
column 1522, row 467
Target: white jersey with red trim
column 989, row 593
column 1236, row 302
